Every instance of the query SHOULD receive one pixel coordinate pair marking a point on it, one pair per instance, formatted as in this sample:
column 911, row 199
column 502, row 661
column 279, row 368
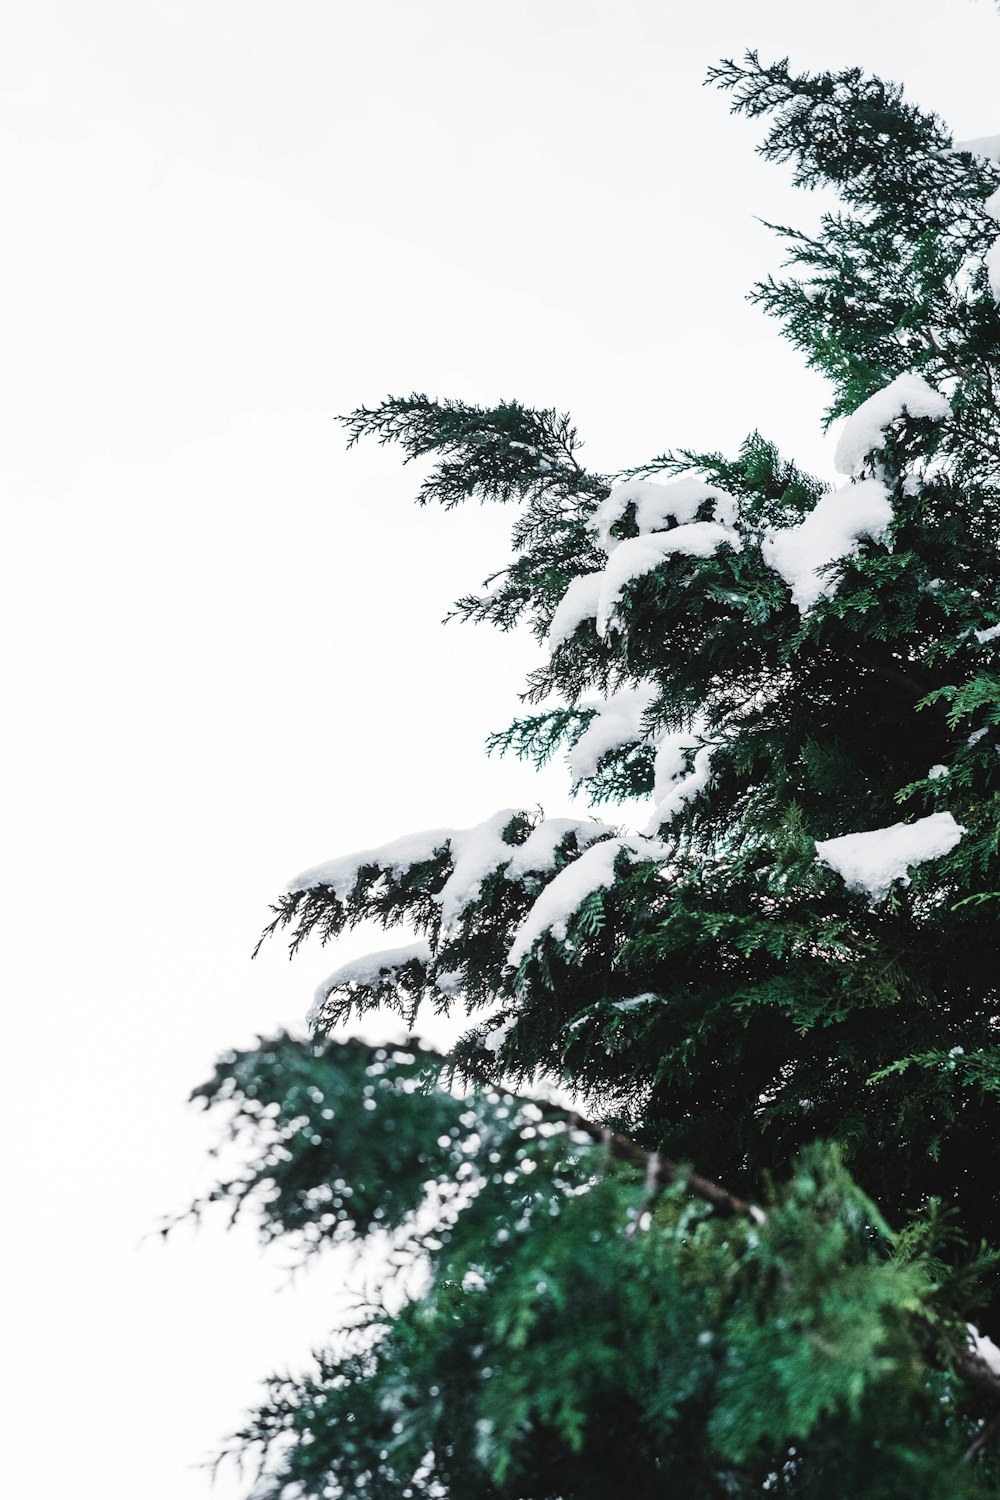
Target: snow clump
column 563, row 896
column 872, row 861
column 656, row 504
column 864, row 431
column 475, row 853
column 368, row 970
column 580, row 602
column 830, row 532
column 617, row 722
column 983, row 1347
column 665, row 516
column 674, row 783
column 644, row 554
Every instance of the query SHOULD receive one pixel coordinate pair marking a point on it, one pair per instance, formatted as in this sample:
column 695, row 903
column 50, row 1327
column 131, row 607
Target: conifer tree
column 761, row 1257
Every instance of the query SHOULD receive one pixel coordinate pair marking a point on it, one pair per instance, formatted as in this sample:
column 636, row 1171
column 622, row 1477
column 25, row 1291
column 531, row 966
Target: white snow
column 475, row 853
column 936, row 772
column 671, row 761
column 367, row 970
column 865, row 428
column 992, row 205
column 872, row 861
column 831, row 531
column 537, row 855
column 580, row 602
column 618, row 721
column 643, row 554
column 656, row 504
column 982, row 636
column 596, row 594
column 593, row 871
column 984, row 1347
column 498, row 1033
column 674, row 790
column 340, row 874
column 638, row 1002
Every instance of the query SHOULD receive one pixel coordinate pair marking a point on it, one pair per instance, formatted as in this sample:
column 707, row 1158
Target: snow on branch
column 340, row 875
column 831, row 532
column 687, row 517
column 617, row 721
column 644, row 554
column 865, row 429
column 872, row 861
column 580, row 602
column 474, row 854
column 657, row 504
column 563, row 896
column 675, row 783
column 372, row 970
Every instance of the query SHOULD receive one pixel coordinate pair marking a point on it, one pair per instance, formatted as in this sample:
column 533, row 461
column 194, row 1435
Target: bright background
column 225, row 221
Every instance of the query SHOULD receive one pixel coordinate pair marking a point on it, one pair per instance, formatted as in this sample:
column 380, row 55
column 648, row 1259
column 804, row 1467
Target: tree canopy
column 758, row 1257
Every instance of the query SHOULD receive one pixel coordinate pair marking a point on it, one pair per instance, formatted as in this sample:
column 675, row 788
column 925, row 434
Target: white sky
column 223, row 223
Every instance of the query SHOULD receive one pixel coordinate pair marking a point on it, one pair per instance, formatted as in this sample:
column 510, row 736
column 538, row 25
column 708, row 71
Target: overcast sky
column 224, row 222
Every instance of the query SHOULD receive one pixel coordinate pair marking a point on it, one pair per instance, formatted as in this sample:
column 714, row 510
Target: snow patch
column 982, row 636
column 618, row 721
column 475, row 854
column 537, row 855
column 656, row 504
column 638, row 1002
column 368, row 970
column 872, row 861
column 830, row 532
column 593, row 871
column 992, row 205
column 580, row 602
column 498, row 1034
column 674, row 784
column 644, row 554
column 341, row 874
column 983, row 1347
column 907, row 395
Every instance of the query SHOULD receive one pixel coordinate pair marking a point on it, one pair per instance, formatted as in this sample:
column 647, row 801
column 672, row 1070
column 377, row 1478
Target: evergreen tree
column 761, row 1260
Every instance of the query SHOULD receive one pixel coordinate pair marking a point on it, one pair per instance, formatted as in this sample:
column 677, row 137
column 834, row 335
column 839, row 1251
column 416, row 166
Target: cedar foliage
column 588, row 1321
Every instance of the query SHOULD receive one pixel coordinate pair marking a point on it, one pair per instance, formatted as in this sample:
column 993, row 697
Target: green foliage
column 580, row 1322
column 574, row 1337
column 917, row 221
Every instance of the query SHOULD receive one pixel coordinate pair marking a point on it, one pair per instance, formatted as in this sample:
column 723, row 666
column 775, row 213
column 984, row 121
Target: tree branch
column 660, row 1170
